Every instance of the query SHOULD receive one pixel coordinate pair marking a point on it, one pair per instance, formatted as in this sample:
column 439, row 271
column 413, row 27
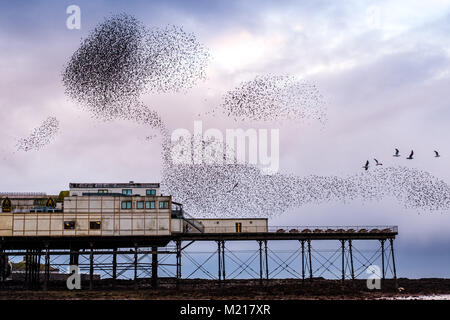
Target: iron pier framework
column 260, row 256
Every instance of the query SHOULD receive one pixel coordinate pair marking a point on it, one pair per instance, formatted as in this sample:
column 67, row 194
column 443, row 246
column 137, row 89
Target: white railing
column 300, row 229
column 333, row 229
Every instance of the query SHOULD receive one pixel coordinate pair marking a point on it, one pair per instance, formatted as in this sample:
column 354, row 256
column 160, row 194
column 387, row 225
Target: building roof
column 24, row 195
column 130, row 184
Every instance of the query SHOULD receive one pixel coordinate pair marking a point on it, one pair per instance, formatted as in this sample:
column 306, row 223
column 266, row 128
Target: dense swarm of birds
column 40, row 136
column 242, row 191
column 274, row 97
column 122, row 58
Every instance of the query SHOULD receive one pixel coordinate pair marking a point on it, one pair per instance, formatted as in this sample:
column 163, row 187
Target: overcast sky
column 382, row 67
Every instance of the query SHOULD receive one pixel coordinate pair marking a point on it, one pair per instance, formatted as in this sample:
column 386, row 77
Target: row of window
column 144, row 204
column 93, row 225
column 129, row 192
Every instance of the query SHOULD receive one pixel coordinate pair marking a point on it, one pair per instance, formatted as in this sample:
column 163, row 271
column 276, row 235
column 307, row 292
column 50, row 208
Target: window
column 149, row 204
column 140, row 204
column 69, row 225
column 95, row 225
column 150, row 192
column 126, row 204
column 164, row 204
column 238, row 227
column 127, row 192
column 103, row 191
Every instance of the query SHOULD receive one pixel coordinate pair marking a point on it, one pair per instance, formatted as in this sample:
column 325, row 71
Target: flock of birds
column 272, row 98
column 40, row 136
column 121, row 59
column 397, row 154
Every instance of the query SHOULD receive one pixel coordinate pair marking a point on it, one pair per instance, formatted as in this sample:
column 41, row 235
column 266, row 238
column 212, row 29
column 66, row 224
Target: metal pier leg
column 391, row 240
column 220, row 263
column 343, row 259
column 178, row 242
column 91, row 268
column 38, row 268
column 114, row 265
column 135, row 264
column 310, row 260
column 47, row 267
column 154, row 267
column 351, row 258
column 2, row 266
column 267, row 259
column 74, row 255
column 223, row 259
column 27, row 269
column 303, row 259
column 382, row 259
column 260, row 263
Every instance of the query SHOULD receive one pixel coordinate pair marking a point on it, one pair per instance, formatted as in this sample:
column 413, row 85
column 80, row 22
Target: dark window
column 149, row 204
column 95, row 225
column 127, row 192
column 126, row 204
column 103, row 191
column 238, row 227
column 69, row 225
column 140, row 205
column 164, row 204
column 150, row 192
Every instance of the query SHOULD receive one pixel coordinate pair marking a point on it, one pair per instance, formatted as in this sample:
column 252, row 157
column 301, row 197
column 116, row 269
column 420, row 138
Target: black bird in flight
column 437, row 154
column 234, row 187
column 411, row 155
column 378, row 163
column 397, row 153
column 366, row 166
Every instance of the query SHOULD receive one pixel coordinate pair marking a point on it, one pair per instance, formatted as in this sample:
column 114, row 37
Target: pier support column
column 343, row 259
column 32, row 268
column 74, row 257
column 135, row 262
column 382, row 260
column 303, row 259
column 350, row 249
column 310, row 260
column 91, row 267
column 178, row 244
column 260, row 263
column 223, row 259
column 391, row 240
column 47, row 267
column 220, row 263
column 3, row 261
column 154, row 267
column 114, row 265
column 267, row 259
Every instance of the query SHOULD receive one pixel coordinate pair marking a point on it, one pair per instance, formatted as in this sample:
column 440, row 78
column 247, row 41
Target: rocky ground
column 291, row 289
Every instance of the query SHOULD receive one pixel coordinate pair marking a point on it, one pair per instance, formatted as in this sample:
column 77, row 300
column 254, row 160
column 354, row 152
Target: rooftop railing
column 22, row 194
column 299, row 229
column 333, row 229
